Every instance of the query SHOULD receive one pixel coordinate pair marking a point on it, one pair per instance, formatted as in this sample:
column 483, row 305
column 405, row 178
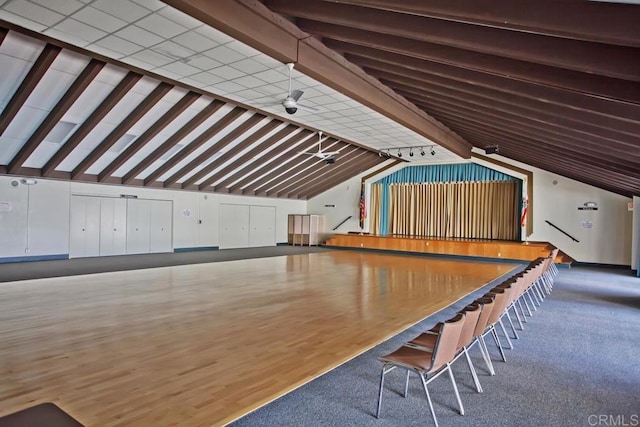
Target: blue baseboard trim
column 282, row 244
column 197, row 249
column 597, row 264
column 34, row 258
column 431, row 255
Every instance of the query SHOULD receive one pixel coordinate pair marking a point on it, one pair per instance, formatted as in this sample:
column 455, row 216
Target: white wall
column 607, row 242
column 556, row 198
column 34, row 219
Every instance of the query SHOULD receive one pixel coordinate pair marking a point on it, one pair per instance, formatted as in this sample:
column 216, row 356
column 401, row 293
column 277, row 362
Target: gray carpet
column 71, row 267
column 576, row 360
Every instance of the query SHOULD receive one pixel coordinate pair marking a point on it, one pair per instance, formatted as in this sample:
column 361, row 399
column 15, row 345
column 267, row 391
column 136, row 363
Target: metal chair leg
column 476, row 381
column 504, row 331
column 485, row 354
column 455, row 388
column 426, row 391
column 406, row 385
column 379, row 407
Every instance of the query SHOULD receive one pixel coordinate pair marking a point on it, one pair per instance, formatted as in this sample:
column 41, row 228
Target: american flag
column 363, row 208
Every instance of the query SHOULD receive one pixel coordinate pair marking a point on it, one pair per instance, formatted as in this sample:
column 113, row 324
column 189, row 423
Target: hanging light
column 411, row 152
column 433, row 152
column 399, row 153
column 422, row 151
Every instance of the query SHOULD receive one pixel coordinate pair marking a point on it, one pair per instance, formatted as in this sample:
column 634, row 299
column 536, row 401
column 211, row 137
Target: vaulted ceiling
column 185, row 93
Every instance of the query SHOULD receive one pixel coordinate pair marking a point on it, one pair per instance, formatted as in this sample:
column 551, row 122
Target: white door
column 262, row 226
column 234, row 226
column 84, row 227
column 138, row 227
column 113, row 226
column 161, row 214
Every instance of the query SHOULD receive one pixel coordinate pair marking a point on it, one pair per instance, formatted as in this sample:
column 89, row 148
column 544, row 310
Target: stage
column 495, row 249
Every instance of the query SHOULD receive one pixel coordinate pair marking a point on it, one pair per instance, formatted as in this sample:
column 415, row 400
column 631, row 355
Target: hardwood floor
column 204, row 344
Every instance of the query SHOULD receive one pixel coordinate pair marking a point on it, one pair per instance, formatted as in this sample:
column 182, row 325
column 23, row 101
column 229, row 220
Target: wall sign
column 587, row 224
column 5, row 207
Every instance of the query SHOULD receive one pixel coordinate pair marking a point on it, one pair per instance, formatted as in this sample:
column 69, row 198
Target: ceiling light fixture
column 411, row 152
column 433, row 152
column 422, row 151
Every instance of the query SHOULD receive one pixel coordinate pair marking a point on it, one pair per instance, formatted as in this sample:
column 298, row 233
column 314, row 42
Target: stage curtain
column 376, row 207
column 480, row 210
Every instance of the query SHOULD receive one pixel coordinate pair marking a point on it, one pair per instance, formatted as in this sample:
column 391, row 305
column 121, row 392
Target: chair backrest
column 487, row 304
column 500, row 303
column 446, row 345
column 471, row 314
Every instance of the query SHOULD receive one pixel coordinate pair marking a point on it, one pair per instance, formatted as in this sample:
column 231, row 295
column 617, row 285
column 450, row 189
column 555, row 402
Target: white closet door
column 138, row 227
column 242, row 226
column 84, row 227
column 161, row 214
column 262, row 226
column 234, row 226
column 113, row 223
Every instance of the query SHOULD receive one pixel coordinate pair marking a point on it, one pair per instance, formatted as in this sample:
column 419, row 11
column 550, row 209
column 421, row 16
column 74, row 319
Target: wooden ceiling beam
column 504, row 117
column 445, row 75
column 252, row 23
column 288, row 168
column 235, row 183
column 232, row 152
column 149, row 102
column 247, row 157
column 583, row 56
column 524, row 112
column 3, row 34
column 62, row 106
column 149, row 134
column 318, row 172
column 341, row 177
column 90, row 123
column 210, row 152
column 467, row 91
column 565, row 162
column 29, row 83
column 357, row 164
column 173, row 140
column 523, row 142
column 410, row 54
column 596, row 21
column 197, row 142
column 515, row 129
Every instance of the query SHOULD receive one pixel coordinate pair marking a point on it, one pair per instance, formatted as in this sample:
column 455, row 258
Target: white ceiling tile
column 145, row 86
column 70, row 62
column 151, row 57
column 203, row 78
column 22, row 21
column 249, row 81
column 50, row 89
column 225, row 87
column 41, row 155
column 111, row 75
column 10, row 147
column 98, row 19
column 136, row 63
column 80, row 30
column 123, row 9
column 179, row 69
column 66, row 37
column 180, row 18
column 117, row 44
column 271, row 76
column 196, row 41
column 246, row 51
column 104, row 51
column 90, row 99
column 139, row 35
column 227, row 72
column 173, row 50
column 34, row 12
column 161, row 26
column 151, row 4
column 202, row 62
column 224, row 54
column 14, row 70
column 249, row 66
column 211, row 33
column 66, row 7
column 25, row 123
column 248, row 94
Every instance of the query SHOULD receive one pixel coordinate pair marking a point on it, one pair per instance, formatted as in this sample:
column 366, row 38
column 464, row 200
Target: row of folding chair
column 433, row 352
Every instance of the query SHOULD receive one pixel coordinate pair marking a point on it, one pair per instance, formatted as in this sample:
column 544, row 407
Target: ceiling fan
column 328, row 156
column 290, row 102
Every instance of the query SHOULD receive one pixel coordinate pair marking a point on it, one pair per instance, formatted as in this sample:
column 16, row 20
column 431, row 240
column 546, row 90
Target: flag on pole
column 363, row 207
column 523, row 216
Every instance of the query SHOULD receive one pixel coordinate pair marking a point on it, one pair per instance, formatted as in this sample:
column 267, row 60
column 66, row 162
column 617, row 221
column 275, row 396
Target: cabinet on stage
column 305, row 230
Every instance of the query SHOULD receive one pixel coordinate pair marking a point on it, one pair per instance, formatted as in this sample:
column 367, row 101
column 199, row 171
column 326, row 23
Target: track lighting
column 411, row 152
column 399, row 153
column 433, row 152
column 422, row 151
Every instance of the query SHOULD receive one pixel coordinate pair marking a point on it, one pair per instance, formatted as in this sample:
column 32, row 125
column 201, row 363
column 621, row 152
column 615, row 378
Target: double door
column 101, row 226
column 243, row 226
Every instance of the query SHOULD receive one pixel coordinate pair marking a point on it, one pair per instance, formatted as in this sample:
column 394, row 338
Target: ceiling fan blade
column 296, row 94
